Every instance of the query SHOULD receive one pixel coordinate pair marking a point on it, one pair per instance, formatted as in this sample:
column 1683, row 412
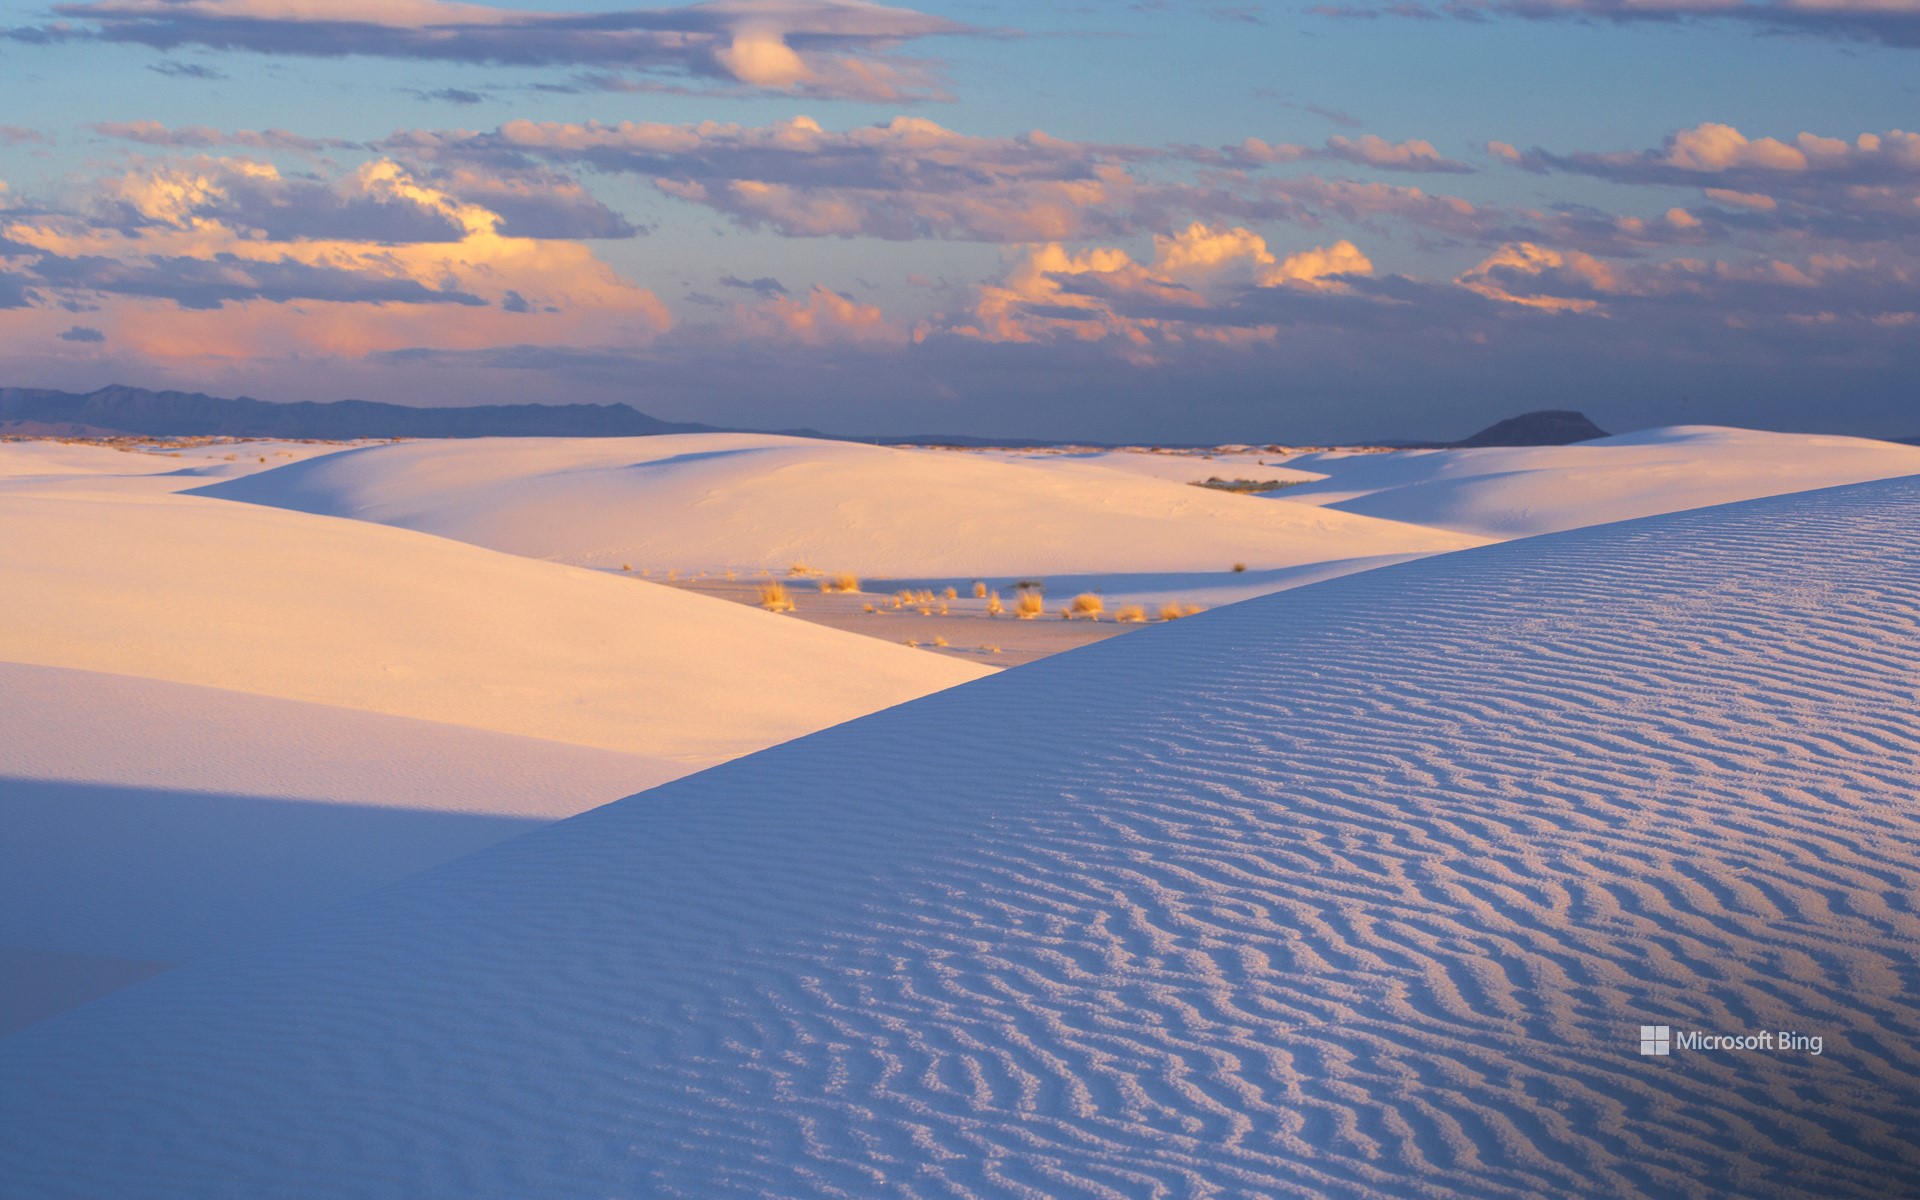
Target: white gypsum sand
column 1518, row 491
column 216, row 717
column 1363, row 889
column 703, row 501
column 247, row 598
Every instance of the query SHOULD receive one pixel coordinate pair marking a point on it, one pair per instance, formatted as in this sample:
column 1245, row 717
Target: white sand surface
column 150, row 822
column 1505, row 492
column 218, row 717
column 1362, row 889
column 706, row 501
column 247, row 598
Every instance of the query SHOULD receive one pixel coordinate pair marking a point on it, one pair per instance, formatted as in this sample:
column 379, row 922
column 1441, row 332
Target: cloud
column 153, row 133
column 840, row 49
column 1052, row 294
column 823, row 318
column 180, row 70
column 909, row 178
column 449, row 95
column 765, row 286
column 1888, row 22
column 16, row 135
column 223, row 259
column 1367, row 150
column 1864, row 188
column 82, row 333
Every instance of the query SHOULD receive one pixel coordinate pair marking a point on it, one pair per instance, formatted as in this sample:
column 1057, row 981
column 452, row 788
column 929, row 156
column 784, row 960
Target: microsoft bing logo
column 1656, row 1039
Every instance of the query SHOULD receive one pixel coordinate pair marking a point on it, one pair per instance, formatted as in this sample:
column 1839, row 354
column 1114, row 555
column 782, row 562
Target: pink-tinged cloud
column 1052, row 294
column 199, row 262
column 201, row 137
column 906, row 179
column 823, row 318
column 1860, row 189
column 1368, row 150
column 839, row 49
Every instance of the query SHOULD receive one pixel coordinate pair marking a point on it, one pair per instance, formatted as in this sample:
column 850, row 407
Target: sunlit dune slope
column 238, row 596
column 700, row 501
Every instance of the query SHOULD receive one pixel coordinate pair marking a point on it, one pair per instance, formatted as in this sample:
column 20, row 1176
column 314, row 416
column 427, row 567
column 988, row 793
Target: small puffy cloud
column 17, row 135
column 1052, row 294
column 830, row 48
column 825, row 317
column 82, row 333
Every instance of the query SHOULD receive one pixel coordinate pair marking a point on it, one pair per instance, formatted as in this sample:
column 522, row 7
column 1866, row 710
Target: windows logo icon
column 1656, row 1039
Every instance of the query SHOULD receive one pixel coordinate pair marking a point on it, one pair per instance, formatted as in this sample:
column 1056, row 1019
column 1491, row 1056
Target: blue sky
column 363, row 199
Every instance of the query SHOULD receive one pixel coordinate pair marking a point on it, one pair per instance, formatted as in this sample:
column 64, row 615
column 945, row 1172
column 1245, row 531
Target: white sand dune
column 1362, row 889
column 703, row 501
column 217, row 717
column 1510, row 492
column 246, row 598
column 149, row 822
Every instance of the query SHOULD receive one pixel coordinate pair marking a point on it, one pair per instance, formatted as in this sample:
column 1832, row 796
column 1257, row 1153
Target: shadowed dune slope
column 1361, row 889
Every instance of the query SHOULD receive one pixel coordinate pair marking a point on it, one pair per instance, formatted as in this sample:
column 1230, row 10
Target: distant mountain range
column 122, row 411
column 130, row 410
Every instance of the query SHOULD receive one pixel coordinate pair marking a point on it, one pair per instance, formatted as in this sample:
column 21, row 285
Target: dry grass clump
column 1087, row 605
column 991, row 649
column 1130, row 614
column 842, row 582
column 979, row 590
column 939, row 641
column 774, row 598
column 951, row 594
column 798, row 570
column 868, row 608
column 994, row 606
column 1030, row 605
column 1239, row 568
column 1173, row 610
column 625, row 567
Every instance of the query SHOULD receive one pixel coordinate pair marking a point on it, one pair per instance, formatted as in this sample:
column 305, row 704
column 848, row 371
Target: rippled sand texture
column 1360, row 889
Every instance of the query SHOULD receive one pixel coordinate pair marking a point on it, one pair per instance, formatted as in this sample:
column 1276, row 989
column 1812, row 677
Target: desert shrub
column 1030, row 605
column 994, row 607
column 950, row 594
column 625, row 567
column 991, row 649
column 1173, row 610
column 868, row 608
column 979, row 590
column 842, row 582
column 1249, row 486
column 1239, row 568
column 1130, row 614
column 797, row 570
column 1087, row 605
column 774, row 598
column 939, row 641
